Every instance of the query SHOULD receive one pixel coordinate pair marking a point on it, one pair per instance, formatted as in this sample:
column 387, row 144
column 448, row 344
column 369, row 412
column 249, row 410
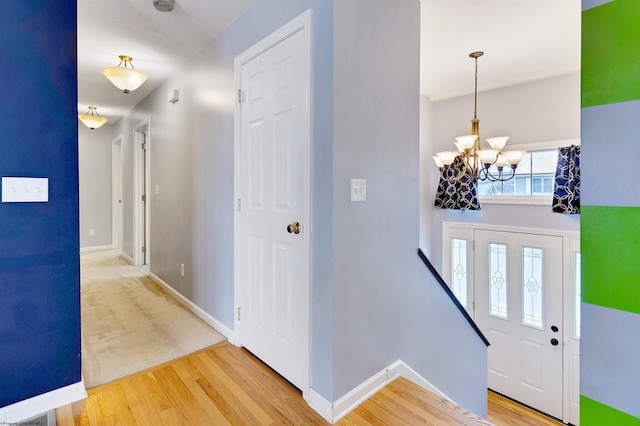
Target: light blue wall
column 386, row 305
column 373, row 302
column 94, row 169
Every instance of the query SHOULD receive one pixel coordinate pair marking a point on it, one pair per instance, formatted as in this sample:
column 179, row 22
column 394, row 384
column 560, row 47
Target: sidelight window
column 459, row 271
column 532, row 287
column 498, row 280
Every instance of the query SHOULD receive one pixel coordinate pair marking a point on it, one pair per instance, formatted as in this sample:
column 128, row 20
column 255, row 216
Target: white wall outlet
column 182, row 270
column 358, row 190
column 25, row 190
column 157, row 189
column 92, row 232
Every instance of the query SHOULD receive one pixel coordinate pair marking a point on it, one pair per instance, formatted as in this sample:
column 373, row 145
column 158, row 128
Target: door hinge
column 144, row 249
column 239, row 204
column 144, row 198
column 239, row 313
column 239, row 96
column 144, row 145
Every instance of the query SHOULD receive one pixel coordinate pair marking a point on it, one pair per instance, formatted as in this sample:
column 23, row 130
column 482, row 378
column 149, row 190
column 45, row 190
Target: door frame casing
column 570, row 240
column 141, row 185
column 298, row 24
column 116, row 193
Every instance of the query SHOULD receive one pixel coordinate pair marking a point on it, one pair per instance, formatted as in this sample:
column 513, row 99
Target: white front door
column 272, row 235
column 518, row 279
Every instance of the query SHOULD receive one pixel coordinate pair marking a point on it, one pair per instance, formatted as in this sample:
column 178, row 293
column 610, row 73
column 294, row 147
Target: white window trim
column 531, row 200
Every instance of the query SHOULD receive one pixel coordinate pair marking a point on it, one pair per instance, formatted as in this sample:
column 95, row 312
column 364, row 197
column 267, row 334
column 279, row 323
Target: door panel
column 273, row 147
column 518, row 279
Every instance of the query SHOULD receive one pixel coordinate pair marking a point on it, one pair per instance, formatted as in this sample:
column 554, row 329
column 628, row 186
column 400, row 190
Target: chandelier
column 91, row 119
column 477, row 161
column 124, row 78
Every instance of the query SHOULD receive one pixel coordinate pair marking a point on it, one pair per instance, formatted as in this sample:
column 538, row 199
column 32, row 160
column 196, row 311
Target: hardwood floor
column 503, row 411
column 226, row 385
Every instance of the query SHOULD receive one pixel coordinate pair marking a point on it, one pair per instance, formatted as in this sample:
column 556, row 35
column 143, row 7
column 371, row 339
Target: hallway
column 129, row 322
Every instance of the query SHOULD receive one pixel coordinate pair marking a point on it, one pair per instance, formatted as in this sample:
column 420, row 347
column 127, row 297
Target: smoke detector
column 164, row 5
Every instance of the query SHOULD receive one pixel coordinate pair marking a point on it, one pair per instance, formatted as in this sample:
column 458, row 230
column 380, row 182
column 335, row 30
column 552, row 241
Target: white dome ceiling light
column 125, row 79
column 164, row 5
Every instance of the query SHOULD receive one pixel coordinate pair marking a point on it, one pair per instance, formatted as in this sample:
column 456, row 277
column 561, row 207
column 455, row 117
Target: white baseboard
column 320, row 405
column 197, row 310
column 351, row 400
column 40, row 404
column 95, row 248
column 128, row 258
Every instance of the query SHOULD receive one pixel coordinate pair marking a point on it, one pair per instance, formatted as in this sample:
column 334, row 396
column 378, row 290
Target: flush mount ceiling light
column 124, row 78
column 91, row 119
column 475, row 159
column 164, row 5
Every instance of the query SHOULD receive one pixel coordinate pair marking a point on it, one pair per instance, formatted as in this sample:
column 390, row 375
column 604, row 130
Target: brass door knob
column 294, row 228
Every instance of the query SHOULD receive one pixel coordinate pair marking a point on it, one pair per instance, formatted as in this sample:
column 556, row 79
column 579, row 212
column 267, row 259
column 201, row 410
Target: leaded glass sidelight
column 459, row 269
column 498, row 280
column 532, row 287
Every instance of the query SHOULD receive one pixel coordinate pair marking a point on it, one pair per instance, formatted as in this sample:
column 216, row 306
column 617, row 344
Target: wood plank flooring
column 226, row 385
column 503, row 412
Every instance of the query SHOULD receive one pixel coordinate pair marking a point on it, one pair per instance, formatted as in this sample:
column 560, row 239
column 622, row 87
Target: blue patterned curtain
column 459, row 194
column 566, row 187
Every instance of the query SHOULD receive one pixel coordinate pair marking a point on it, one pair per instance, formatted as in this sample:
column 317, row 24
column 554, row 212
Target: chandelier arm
column 500, row 178
column 513, row 174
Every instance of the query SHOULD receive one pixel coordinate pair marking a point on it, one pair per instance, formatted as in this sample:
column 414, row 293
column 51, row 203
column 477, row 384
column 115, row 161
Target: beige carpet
column 129, row 323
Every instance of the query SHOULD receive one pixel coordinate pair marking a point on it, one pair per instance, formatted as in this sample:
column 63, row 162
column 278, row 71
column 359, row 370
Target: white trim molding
column 352, row 399
column 40, row 404
column 197, row 310
column 95, row 248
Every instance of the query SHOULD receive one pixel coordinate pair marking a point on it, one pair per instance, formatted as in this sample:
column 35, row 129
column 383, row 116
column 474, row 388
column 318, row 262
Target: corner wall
column 39, row 245
column 610, row 348
column 386, row 304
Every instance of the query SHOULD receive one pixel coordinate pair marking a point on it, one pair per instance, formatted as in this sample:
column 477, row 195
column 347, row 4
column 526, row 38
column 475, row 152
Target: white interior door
column 272, row 239
column 518, row 279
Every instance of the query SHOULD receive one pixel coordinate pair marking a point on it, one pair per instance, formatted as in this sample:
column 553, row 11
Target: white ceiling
column 523, row 40
column 159, row 43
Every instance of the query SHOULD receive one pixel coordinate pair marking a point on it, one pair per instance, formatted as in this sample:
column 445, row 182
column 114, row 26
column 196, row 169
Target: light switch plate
column 25, row 190
column 358, row 190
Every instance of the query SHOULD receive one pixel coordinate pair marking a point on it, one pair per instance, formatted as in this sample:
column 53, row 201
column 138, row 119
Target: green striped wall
column 610, row 214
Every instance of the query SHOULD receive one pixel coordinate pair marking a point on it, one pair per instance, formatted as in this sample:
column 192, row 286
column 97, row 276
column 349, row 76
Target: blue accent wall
column 39, row 242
